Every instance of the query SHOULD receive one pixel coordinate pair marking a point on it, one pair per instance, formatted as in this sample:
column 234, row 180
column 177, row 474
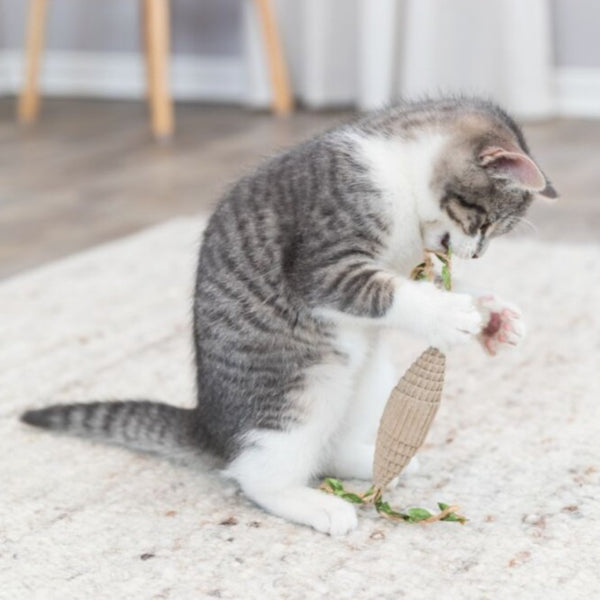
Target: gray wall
column 577, row 32
column 213, row 27
column 198, row 26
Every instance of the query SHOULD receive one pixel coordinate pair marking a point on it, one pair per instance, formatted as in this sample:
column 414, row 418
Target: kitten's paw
column 455, row 320
column 315, row 508
column 503, row 324
column 334, row 516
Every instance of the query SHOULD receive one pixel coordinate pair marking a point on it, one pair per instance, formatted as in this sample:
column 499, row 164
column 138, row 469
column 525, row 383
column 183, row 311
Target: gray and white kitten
column 303, row 272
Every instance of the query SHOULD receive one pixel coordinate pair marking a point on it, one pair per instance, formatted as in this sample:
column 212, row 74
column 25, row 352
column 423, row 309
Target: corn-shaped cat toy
column 405, row 422
column 408, row 415
column 413, row 403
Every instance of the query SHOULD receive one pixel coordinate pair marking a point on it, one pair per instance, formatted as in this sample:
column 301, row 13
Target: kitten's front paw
column 456, row 319
column 503, row 324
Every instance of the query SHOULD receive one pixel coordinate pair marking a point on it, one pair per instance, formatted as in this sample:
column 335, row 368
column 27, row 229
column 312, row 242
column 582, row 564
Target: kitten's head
column 483, row 183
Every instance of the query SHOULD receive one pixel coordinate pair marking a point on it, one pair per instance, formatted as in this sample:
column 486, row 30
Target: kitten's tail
column 141, row 425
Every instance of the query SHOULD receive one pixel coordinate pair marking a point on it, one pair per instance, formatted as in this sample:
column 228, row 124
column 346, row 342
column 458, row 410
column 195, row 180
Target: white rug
column 515, row 444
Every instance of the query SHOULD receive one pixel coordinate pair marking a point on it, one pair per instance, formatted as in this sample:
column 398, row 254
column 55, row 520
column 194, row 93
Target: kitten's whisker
column 524, row 225
column 528, row 223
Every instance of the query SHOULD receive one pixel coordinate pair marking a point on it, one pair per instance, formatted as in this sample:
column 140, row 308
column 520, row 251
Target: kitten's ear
column 517, row 168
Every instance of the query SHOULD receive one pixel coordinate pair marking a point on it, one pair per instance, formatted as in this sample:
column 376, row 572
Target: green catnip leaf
column 418, row 514
column 335, row 484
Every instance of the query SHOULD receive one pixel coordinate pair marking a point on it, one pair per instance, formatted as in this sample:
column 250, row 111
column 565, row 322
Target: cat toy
column 407, row 418
column 413, row 403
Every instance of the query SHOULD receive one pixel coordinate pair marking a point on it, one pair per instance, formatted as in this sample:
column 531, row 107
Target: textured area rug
column 515, row 444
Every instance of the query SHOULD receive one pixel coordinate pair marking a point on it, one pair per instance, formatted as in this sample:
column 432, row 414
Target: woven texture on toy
column 408, row 415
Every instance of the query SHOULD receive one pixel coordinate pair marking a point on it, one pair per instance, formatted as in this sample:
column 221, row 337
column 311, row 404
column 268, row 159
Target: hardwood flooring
column 89, row 171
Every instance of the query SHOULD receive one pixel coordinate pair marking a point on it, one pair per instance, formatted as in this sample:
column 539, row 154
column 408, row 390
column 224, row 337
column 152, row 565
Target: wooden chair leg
column 156, row 34
column 29, row 97
column 282, row 95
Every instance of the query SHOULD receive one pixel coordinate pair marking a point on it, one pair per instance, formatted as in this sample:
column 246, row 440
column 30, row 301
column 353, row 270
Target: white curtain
column 500, row 49
column 369, row 53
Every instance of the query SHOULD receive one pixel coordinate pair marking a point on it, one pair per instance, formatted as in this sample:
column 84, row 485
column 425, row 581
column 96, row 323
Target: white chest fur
column 402, row 170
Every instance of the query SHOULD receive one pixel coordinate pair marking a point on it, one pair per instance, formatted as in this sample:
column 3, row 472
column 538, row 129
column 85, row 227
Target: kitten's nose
column 445, row 241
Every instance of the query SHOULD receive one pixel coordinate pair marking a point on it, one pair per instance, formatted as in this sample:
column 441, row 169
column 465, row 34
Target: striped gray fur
column 303, row 231
column 142, row 425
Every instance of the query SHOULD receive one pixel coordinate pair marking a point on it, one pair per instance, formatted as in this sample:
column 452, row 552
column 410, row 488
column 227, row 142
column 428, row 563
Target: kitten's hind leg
column 274, row 471
column 352, row 459
column 352, row 454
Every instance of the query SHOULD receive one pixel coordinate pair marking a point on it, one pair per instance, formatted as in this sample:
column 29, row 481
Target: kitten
column 303, row 268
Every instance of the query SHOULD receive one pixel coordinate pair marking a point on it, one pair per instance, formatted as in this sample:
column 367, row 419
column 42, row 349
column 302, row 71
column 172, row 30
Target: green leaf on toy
column 446, row 278
column 418, row 514
column 351, row 497
column 335, row 484
column 412, row 515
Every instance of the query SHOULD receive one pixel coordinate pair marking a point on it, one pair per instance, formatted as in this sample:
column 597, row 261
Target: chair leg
column 156, row 35
column 282, row 95
column 29, row 97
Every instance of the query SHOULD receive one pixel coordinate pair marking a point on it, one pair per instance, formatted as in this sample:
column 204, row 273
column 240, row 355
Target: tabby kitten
column 303, row 272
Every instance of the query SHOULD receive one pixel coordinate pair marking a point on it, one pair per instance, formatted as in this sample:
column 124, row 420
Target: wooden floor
column 89, row 172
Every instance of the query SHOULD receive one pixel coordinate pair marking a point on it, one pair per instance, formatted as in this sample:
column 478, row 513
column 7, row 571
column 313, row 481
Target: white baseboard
column 578, row 91
column 120, row 75
column 218, row 79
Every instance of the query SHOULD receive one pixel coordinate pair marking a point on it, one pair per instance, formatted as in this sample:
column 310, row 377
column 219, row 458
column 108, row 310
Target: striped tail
column 141, row 425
